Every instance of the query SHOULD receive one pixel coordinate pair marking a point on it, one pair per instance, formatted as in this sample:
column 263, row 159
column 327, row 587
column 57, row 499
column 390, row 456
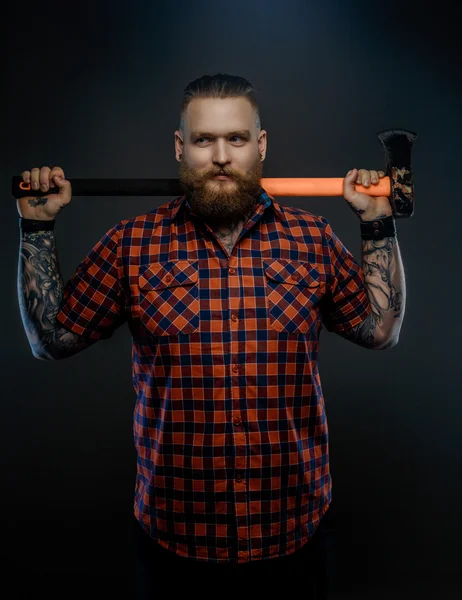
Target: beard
column 221, row 202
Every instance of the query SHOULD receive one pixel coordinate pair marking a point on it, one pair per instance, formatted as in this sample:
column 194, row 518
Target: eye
column 238, row 137
column 199, row 139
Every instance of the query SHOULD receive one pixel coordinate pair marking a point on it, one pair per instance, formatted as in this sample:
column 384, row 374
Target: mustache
column 222, row 173
column 199, row 177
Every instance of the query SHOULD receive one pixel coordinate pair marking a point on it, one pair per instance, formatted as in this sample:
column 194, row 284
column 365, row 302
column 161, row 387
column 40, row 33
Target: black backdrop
column 95, row 87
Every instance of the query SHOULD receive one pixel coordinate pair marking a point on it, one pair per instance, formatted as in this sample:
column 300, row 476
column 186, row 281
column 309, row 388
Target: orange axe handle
column 330, row 186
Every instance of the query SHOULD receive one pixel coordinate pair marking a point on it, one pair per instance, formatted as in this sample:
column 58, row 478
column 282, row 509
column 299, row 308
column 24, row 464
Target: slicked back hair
column 219, row 85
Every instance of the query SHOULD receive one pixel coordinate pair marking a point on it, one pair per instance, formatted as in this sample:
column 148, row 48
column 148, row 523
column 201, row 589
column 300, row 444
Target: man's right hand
column 47, row 207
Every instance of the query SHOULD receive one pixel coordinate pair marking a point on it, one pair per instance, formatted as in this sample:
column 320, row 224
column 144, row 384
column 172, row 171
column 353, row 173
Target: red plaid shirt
column 229, row 425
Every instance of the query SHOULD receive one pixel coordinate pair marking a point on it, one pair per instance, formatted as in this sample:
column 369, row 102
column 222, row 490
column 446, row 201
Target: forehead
column 219, row 115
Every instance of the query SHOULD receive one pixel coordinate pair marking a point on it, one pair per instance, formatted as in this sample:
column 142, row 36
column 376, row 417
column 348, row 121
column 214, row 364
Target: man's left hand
column 368, row 208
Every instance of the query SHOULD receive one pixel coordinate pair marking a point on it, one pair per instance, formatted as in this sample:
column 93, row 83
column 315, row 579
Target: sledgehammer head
column 398, row 145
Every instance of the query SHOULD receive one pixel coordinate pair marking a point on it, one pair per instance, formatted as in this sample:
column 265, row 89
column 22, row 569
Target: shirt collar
column 264, row 200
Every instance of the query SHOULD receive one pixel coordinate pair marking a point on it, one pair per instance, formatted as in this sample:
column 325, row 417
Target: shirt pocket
column 293, row 291
column 169, row 297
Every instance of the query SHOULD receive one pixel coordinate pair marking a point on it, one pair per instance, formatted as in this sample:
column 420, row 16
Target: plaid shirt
column 229, row 425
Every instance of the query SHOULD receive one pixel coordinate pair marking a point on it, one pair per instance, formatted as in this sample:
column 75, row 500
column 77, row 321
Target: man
column 225, row 293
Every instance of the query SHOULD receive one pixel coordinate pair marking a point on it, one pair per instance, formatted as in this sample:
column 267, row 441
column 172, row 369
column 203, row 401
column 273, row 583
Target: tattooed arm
column 40, row 292
column 386, row 289
column 382, row 267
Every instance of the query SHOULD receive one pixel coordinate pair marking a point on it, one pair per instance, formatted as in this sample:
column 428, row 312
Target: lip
column 224, row 177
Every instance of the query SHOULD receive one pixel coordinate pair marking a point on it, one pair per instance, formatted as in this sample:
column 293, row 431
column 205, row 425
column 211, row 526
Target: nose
column 221, row 155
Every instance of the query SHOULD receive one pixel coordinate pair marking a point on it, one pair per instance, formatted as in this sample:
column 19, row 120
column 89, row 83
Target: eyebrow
column 241, row 132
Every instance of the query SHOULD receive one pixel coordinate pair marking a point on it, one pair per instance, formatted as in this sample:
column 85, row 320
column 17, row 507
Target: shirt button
column 295, row 277
column 237, row 421
column 168, row 278
column 235, row 368
column 238, row 477
column 231, row 271
column 234, row 317
column 376, row 225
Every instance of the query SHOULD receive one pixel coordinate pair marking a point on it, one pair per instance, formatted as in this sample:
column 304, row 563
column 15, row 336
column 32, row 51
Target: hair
column 219, row 85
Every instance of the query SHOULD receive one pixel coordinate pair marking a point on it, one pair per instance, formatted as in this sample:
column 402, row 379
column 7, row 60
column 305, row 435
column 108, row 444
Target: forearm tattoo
column 40, row 293
column 384, row 278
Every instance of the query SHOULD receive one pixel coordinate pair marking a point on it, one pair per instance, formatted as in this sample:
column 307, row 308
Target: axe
column 397, row 185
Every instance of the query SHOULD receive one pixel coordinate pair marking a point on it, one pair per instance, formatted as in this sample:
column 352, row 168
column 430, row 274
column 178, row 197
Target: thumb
column 62, row 183
column 64, row 187
column 349, row 190
column 350, row 178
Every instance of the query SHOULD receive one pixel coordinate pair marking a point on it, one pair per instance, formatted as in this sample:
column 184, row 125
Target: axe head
column 398, row 146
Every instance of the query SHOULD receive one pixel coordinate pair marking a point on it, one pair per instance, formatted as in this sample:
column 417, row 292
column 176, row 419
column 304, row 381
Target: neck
column 228, row 229
column 228, row 234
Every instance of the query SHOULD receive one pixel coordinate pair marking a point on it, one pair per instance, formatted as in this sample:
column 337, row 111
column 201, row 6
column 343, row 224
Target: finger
column 362, row 175
column 374, row 176
column 44, row 175
column 34, row 178
column 366, row 177
column 381, row 174
column 25, row 176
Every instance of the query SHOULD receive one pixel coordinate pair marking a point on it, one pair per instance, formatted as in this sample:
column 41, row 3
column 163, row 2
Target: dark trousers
column 307, row 571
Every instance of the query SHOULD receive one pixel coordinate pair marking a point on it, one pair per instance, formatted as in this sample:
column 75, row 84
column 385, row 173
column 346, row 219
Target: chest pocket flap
column 159, row 276
column 169, row 297
column 293, row 291
column 291, row 272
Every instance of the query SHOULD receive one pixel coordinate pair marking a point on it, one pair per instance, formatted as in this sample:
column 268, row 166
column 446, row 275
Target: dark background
column 95, row 87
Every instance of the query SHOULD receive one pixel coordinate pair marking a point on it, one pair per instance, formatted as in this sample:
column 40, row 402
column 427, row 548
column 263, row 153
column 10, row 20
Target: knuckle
column 44, row 171
column 44, row 181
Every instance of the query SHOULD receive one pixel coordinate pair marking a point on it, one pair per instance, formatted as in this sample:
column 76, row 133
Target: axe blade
column 398, row 145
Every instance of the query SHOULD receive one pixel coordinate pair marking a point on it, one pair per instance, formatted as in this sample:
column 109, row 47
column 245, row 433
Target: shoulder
column 148, row 220
column 298, row 217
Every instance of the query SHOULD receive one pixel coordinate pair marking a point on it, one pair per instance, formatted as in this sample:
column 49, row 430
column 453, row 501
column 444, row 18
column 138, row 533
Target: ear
column 178, row 145
column 262, row 144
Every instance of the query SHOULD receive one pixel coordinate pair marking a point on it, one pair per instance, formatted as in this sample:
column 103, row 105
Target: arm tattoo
column 384, row 278
column 40, row 292
column 364, row 333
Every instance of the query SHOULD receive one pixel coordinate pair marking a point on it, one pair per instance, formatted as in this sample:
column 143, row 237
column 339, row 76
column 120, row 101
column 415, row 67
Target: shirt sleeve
column 93, row 300
column 346, row 303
